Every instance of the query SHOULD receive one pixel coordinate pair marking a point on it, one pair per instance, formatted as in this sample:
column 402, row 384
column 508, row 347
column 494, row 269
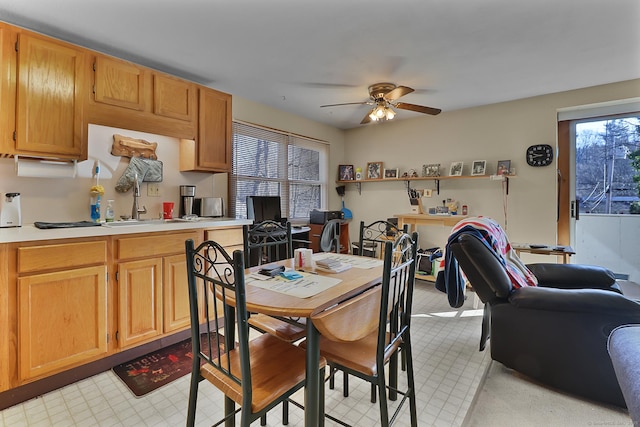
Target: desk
column 273, row 303
column 564, row 251
column 413, row 220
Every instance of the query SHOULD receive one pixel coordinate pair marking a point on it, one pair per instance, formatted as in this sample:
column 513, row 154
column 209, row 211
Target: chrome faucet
column 135, row 210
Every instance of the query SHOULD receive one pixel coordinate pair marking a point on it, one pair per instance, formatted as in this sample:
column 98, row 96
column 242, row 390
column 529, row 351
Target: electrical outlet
column 426, row 192
column 153, row 189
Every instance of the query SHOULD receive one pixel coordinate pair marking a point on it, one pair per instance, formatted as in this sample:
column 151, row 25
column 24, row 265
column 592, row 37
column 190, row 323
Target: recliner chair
column 555, row 332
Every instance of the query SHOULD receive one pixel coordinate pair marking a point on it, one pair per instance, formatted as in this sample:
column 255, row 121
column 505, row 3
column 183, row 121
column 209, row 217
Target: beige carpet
column 507, row 398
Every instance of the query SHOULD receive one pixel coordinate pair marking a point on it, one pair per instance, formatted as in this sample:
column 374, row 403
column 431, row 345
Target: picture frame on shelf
column 456, row 169
column 504, row 167
column 374, row 170
column 479, row 167
column 390, row 173
column 345, row 173
column 432, row 169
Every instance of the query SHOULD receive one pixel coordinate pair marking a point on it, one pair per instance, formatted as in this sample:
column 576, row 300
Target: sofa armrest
column 574, row 276
column 624, row 349
column 591, row 301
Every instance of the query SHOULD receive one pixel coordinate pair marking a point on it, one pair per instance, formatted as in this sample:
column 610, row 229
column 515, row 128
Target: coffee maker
column 187, row 196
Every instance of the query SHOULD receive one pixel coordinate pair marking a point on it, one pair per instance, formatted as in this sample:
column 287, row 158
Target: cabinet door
column 50, row 99
column 139, row 301
column 214, row 131
column 7, row 90
column 174, row 98
column 62, row 318
column 119, row 83
column 176, row 294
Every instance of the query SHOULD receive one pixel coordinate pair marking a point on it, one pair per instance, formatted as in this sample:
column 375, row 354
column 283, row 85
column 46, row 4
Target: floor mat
column 153, row 370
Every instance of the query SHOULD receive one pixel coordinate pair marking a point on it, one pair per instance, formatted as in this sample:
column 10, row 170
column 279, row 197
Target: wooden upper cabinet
column 214, row 131
column 174, row 98
column 211, row 151
column 50, row 98
column 7, row 89
column 119, row 83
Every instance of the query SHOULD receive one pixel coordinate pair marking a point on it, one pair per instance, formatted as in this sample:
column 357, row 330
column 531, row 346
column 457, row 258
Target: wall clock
column 540, row 155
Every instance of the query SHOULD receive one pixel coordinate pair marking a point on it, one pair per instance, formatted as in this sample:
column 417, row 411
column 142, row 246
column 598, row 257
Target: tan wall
column 493, row 132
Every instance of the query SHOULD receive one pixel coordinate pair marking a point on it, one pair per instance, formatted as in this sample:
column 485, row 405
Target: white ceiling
column 296, row 55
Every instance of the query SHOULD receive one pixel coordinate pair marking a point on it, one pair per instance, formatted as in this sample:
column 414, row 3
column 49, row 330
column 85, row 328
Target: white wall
column 493, row 132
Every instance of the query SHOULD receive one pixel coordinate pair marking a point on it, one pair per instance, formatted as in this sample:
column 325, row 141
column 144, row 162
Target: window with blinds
column 267, row 162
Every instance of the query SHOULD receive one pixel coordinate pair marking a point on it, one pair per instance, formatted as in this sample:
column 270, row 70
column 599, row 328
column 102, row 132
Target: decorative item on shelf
column 479, row 167
column 358, row 174
column 391, row 173
column 504, row 167
column 411, row 173
column 374, row 170
column 452, row 206
column 345, row 172
column 456, row 169
column 431, row 170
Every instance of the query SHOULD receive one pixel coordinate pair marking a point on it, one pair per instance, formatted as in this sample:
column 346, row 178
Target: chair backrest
column 386, row 307
column 212, row 277
column 486, row 274
column 266, row 242
column 330, row 236
column 373, row 237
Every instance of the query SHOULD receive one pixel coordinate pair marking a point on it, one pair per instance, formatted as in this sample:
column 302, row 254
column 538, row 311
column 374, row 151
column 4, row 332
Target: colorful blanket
column 451, row 280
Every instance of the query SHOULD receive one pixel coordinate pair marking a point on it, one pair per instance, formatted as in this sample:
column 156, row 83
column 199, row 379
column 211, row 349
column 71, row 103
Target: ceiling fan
column 383, row 97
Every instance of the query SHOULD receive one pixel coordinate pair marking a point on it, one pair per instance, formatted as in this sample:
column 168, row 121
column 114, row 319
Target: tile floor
column 448, row 369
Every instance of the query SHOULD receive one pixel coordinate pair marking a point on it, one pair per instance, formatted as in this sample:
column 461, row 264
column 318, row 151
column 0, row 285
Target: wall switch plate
column 153, row 189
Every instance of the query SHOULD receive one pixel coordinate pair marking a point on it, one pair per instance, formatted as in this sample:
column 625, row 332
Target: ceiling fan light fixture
column 390, row 114
column 372, row 115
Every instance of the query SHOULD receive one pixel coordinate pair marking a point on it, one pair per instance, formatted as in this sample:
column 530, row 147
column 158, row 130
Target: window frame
column 285, row 140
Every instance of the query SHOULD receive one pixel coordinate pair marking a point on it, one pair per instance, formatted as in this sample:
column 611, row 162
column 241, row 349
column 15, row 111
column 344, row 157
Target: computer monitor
column 262, row 208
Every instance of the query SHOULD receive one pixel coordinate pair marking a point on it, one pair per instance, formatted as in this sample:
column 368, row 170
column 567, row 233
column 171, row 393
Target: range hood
column 43, row 167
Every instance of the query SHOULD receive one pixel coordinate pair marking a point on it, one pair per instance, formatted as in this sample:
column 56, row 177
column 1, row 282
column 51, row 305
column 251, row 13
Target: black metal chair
column 266, row 242
column 330, row 236
column 361, row 338
column 372, row 237
column 258, row 374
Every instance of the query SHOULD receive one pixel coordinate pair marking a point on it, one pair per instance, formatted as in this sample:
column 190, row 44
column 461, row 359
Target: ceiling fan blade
column 366, row 119
column 396, row 93
column 418, row 108
column 346, row 103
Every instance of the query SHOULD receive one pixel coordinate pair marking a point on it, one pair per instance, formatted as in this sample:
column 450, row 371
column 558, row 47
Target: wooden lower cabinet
column 153, row 297
column 176, row 294
column 62, row 320
column 140, row 301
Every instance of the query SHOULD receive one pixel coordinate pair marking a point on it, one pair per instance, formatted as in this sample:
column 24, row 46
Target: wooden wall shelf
column 436, row 179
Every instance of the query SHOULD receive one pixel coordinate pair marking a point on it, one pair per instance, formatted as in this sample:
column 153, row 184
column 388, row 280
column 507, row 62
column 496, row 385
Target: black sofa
column 556, row 332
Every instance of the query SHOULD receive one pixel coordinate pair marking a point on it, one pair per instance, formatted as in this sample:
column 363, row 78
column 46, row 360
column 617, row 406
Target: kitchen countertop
column 29, row 233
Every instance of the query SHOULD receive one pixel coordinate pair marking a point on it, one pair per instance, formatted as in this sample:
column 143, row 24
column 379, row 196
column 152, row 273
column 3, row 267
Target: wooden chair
column 257, row 374
column 271, row 241
column 330, row 236
column 362, row 335
column 371, row 241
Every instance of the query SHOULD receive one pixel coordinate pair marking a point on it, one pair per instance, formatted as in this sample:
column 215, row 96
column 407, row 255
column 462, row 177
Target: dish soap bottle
column 108, row 214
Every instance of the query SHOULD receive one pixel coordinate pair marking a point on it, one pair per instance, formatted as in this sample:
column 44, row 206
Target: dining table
column 295, row 303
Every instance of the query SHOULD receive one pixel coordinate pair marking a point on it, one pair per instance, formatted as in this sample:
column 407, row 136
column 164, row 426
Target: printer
column 321, row 217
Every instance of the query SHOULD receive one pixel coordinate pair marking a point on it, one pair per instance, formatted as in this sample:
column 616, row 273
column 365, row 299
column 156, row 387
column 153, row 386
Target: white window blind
column 268, row 162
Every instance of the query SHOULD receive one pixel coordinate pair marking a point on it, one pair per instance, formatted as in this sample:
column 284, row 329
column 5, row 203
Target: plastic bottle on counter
column 108, row 213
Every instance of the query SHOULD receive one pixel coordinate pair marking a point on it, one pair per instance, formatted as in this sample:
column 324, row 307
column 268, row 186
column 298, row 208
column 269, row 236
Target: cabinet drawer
column 157, row 245
column 68, row 255
column 226, row 236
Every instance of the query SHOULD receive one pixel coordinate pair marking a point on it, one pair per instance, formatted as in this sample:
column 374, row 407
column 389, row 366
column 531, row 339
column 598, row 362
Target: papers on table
column 353, row 260
column 305, row 287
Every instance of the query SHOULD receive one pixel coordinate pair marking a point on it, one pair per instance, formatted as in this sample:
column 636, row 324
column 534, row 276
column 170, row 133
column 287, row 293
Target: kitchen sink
column 134, row 222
